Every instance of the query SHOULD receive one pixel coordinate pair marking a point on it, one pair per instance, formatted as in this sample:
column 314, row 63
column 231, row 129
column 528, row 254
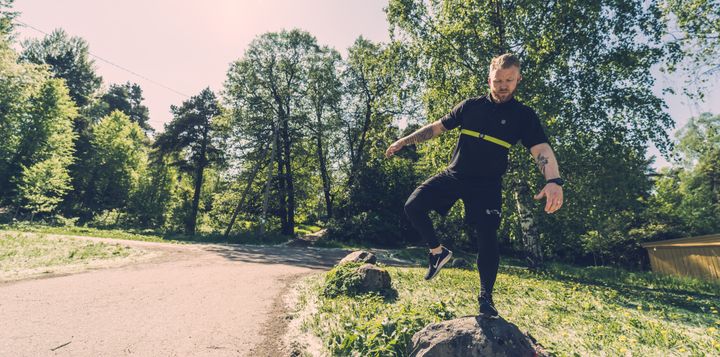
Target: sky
column 184, row 46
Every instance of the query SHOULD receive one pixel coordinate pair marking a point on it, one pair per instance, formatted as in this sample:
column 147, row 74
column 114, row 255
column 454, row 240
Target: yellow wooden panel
column 702, row 262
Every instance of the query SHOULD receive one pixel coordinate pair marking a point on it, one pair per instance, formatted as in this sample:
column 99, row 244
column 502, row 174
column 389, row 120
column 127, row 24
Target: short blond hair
column 504, row 61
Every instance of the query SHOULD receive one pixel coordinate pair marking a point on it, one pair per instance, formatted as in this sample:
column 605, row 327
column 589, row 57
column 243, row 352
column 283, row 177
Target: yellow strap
column 489, row 138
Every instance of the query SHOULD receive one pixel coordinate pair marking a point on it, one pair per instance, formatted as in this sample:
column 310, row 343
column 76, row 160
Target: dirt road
column 188, row 300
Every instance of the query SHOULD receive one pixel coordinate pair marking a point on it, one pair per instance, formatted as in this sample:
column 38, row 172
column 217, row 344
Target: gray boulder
column 373, row 278
column 359, row 256
column 473, row 336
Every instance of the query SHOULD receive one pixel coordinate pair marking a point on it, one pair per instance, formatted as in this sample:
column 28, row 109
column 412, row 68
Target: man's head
column 504, row 77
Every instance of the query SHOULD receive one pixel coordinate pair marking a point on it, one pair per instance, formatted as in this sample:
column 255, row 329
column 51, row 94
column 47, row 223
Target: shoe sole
column 442, row 263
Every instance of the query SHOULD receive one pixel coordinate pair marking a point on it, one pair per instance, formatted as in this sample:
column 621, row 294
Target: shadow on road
column 309, row 257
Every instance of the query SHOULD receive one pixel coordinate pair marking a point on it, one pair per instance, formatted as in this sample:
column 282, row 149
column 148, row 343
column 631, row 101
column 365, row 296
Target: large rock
column 359, row 256
column 373, row 278
column 473, row 336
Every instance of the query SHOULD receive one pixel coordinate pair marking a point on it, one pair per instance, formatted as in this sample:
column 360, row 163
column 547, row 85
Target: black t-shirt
column 511, row 121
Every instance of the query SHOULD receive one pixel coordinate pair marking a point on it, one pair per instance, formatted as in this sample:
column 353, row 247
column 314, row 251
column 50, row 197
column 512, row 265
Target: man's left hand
column 554, row 195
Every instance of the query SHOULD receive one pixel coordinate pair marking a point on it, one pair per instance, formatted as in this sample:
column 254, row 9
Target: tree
column 153, row 197
column 118, row 154
column 68, row 58
column 128, row 98
column 586, row 72
column 6, row 18
column 191, row 138
column 376, row 91
column 267, row 87
column 699, row 180
column 36, row 115
column 694, row 31
column 46, row 150
column 324, row 92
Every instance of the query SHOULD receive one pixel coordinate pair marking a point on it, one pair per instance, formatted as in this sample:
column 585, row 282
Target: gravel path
column 186, row 300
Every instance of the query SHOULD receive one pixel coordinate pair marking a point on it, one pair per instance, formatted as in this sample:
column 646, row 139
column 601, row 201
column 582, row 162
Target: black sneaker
column 436, row 262
column 487, row 306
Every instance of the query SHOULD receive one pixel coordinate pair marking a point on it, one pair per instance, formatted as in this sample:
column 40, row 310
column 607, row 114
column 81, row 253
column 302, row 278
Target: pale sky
column 188, row 45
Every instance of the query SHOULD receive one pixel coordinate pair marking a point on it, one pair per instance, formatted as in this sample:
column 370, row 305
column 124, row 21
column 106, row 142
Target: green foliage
column 118, row 154
column 687, row 197
column 695, row 25
column 35, row 114
column 45, row 148
column 153, row 197
column 43, row 185
column 127, row 98
column 193, row 141
column 6, row 18
column 343, row 279
column 68, row 58
column 377, row 78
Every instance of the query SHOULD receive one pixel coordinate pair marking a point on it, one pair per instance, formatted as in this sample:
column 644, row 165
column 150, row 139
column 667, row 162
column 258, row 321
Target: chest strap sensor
column 489, row 138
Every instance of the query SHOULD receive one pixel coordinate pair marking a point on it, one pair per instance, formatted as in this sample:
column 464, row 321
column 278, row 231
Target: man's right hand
column 394, row 147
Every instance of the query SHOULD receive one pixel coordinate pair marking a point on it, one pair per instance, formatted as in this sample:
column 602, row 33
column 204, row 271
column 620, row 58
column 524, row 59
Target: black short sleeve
column 454, row 119
column 533, row 133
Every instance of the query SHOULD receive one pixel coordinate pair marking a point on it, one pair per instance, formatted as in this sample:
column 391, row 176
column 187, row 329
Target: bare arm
column 546, row 161
column 423, row 134
column 548, row 165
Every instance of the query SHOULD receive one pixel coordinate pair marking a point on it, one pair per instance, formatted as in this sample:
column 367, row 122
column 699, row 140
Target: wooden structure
column 694, row 256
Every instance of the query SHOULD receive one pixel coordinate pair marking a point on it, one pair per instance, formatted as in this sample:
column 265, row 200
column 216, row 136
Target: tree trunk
column 354, row 167
column 531, row 242
column 499, row 28
column 281, row 185
column 245, row 192
column 323, row 171
column 263, row 219
column 202, row 162
column 190, row 228
column 290, row 226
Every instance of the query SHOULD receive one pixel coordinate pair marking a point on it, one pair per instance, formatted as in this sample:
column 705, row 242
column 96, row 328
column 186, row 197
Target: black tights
column 488, row 256
column 482, row 200
column 484, row 235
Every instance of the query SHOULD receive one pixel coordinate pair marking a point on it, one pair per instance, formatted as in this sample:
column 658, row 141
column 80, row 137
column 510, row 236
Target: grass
column 147, row 235
column 20, row 252
column 571, row 311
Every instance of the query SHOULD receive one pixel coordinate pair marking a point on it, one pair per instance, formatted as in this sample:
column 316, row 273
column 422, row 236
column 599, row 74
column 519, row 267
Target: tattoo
column 422, row 134
column 541, row 162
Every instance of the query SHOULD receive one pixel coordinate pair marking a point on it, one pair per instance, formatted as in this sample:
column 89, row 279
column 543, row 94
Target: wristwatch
column 556, row 180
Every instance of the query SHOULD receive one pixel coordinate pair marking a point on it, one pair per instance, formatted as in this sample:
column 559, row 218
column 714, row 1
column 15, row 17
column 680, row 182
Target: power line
column 113, row 64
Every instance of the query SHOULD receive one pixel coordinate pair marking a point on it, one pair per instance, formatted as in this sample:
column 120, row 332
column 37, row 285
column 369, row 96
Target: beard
column 502, row 97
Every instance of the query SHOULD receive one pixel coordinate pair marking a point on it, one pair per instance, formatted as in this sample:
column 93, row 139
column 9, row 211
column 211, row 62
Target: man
column 489, row 125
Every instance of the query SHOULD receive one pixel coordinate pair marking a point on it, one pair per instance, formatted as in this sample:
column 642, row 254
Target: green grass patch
column 571, row 311
column 303, row 229
column 148, row 235
column 20, row 252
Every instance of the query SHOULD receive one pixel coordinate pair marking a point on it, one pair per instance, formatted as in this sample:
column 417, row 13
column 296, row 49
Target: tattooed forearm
column 422, row 134
column 541, row 162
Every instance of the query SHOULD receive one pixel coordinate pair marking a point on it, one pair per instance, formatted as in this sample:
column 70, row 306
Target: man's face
column 503, row 83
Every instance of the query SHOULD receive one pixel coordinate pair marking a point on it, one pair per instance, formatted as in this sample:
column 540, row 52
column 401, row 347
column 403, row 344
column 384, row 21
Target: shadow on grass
column 633, row 295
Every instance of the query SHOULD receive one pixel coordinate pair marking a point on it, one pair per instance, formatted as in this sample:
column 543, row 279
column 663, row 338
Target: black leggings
column 482, row 199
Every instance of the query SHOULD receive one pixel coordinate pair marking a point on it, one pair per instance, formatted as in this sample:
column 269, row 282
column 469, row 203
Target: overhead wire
column 114, row 64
